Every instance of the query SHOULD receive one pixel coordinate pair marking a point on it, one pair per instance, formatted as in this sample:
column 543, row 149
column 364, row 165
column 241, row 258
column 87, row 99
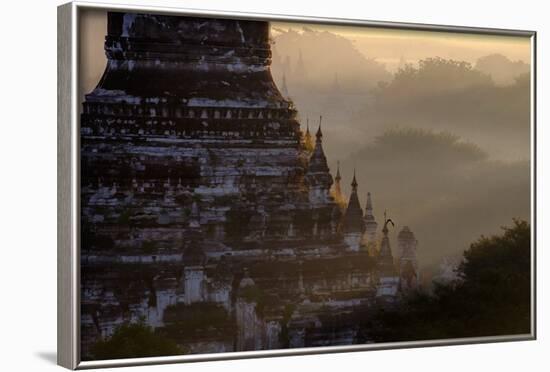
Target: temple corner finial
column 369, row 202
column 354, row 183
column 319, row 134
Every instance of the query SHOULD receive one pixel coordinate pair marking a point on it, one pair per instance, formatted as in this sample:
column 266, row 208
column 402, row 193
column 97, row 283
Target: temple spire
column 318, row 174
column 353, row 221
column 335, row 84
column 318, row 160
column 385, row 249
column 385, row 257
column 308, row 140
column 319, row 134
column 284, row 88
column 354, row 183
column 386, row 221
column 300, row 71
column 370, row 222
column 337, row 191
column 408, row 264
column 368, row 208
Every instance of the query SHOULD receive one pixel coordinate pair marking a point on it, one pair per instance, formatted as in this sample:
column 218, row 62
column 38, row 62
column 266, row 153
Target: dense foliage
column 491, row 296
column 431, row 76
column 450, row 95
column 420, row 147
column 134, row 340
column 184, row 323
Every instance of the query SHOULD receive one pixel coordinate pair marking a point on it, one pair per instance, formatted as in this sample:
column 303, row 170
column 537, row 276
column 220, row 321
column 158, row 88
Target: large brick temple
column 207, row 212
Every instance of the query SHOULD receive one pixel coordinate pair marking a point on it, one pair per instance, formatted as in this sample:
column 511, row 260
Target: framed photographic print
column 237, row 185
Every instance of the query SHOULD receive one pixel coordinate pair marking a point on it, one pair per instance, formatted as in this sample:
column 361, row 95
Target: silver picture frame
column 68, row 187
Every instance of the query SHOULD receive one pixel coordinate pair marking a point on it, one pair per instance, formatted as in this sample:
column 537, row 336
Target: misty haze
column 286, row 181
column 443, row 143
column 437, row 127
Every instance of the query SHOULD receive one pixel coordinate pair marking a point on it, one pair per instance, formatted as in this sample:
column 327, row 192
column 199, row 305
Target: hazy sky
column 447, row 198
column 390, row 45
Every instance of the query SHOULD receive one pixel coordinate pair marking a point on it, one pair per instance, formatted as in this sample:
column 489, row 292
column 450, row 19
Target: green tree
column 490, row 298
column 134, row 340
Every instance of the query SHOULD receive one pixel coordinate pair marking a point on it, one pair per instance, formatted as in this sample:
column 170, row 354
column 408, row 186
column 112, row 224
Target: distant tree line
column 441, row 93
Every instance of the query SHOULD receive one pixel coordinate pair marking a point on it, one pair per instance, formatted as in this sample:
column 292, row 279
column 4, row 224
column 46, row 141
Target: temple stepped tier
column 370, row 222
column 201, row 196
column 408, row 265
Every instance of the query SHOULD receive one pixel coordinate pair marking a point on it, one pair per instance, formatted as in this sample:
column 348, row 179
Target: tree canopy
column 420, row 147
column 134, row 340
column 431, row 76
column 490, row 298
column 450, row 95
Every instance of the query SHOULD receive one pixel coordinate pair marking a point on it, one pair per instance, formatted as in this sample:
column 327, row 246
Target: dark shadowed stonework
column 203, row 213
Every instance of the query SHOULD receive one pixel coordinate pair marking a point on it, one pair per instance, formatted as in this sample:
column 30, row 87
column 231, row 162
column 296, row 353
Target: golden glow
column 392, row 45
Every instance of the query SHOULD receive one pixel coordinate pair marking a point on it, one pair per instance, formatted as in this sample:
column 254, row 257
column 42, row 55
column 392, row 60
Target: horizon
column 448, row 45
